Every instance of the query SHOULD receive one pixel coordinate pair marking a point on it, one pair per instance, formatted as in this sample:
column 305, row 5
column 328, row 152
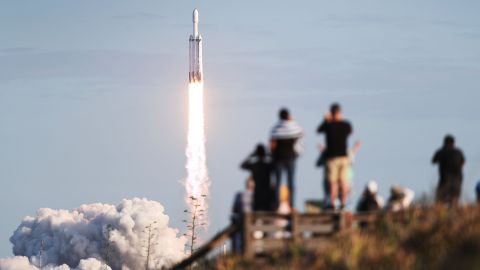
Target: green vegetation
column 437, row 238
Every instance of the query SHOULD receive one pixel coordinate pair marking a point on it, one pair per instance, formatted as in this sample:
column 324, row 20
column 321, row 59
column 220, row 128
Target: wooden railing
column 216, row 241
column 267, row 232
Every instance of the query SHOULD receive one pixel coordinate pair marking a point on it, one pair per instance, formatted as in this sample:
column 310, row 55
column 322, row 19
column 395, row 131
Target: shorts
column 338, row 170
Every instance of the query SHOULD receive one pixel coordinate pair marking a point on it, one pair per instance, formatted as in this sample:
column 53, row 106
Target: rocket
column 195, row 73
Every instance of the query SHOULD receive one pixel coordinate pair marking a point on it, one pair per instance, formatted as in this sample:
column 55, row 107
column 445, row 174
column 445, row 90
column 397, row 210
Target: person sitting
column 370, row 201
column 261, row 168
column 400, row 198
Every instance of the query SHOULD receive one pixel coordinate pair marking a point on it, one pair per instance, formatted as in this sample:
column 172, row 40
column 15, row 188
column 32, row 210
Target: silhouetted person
column 370, row 201
column 400, row 198
column 261, row 169
column 242, row 204
column 283, row 143
column 337, row 131
column 450, row 162
column 477, row 191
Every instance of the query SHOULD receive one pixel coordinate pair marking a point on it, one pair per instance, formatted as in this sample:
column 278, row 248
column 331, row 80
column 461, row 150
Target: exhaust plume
column 197, row 182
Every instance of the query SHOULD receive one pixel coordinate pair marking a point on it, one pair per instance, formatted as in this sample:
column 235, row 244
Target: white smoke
column 94, row 235
column 22, row 263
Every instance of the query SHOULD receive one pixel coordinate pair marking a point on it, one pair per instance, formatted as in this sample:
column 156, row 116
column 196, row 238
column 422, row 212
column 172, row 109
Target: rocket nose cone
column 195, row 16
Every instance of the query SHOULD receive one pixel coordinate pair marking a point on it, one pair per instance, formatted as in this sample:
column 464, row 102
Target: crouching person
column 400, row 198
column 370, row 201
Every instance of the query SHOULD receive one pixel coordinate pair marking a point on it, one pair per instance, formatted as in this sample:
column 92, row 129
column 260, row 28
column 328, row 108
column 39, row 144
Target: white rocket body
column 195, row 73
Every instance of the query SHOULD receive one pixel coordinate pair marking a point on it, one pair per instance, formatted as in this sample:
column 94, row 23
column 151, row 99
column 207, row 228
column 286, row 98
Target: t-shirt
column 336, row 133
column 449, row 159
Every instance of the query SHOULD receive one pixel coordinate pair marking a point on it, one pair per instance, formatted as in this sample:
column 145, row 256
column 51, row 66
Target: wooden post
column 248, row 251
column 345, row 220
column 295, row 228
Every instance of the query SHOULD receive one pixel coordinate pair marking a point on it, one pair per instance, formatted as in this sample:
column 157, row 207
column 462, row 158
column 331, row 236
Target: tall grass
column 432, row 238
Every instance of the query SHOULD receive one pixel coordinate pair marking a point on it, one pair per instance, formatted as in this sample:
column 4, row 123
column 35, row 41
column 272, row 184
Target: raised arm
column 436, row 157
column 247, row 163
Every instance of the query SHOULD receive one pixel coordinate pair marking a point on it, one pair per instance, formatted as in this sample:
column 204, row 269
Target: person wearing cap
column 370, row 201
column 400, row 198
column 450, row 162
column 260, row 166
column 337, row 130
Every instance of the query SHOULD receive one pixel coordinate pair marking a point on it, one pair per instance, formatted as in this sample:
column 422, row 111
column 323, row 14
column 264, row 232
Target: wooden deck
column 266, row 232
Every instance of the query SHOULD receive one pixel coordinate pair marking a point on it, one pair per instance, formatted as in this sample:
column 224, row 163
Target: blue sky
column 93, row 94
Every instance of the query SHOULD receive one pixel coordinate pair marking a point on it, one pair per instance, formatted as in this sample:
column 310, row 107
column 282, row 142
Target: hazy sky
column 93, row 94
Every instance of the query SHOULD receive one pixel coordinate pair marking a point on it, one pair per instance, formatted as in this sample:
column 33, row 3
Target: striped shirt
column 286, row 133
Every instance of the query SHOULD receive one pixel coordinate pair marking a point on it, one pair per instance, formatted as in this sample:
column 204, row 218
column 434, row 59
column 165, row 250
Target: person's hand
column 357, row 146
column 328, row 117
column 321, row 147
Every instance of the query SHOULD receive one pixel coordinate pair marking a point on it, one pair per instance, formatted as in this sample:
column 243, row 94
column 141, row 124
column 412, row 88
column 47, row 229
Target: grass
column 434, row 238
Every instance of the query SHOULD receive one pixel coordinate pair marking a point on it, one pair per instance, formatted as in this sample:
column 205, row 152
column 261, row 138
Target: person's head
column 284, row 114
column 372, row 187
column 250, row 184
column 396, row 193
column 260, row 151
column 335, row 111
column 449, row 141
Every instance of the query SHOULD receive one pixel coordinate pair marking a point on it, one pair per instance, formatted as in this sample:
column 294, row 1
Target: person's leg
column 333, row 180
column 344, row 168
column 345, row 189
column 326, row 183
column 278, row 182
column 290, row 167
column 326, row 188
column 456, row 189
column 440, row 196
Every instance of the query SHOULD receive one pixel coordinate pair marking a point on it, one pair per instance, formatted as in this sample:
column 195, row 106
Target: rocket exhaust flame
column 197, row 174
column 197, row 181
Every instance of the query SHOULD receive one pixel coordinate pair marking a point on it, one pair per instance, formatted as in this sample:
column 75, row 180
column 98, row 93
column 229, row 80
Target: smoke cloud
column 94, row 235
column 23, row 263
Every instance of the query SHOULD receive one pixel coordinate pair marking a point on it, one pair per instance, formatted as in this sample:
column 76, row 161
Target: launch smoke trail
column 197, row 175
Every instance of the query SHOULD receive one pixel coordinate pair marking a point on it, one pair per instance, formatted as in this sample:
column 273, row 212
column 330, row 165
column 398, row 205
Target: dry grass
column 438, row 238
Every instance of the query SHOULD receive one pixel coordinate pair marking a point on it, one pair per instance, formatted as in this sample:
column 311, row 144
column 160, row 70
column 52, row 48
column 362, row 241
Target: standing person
column 477, row 191
column 450, row 162
column 337, row 130
column 285, row 149
column 261, row 168
column 242, row 204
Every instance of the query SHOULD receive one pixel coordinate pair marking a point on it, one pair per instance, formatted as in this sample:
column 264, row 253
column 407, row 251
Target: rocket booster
column 195, row 73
